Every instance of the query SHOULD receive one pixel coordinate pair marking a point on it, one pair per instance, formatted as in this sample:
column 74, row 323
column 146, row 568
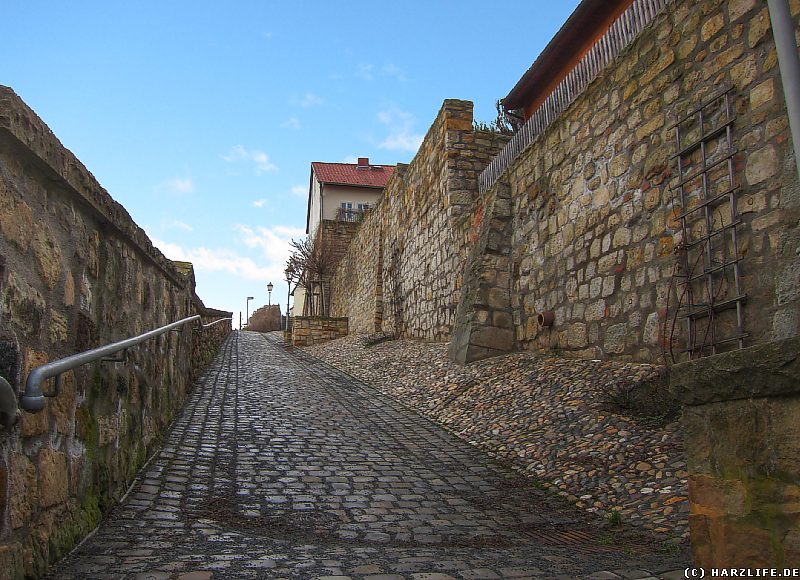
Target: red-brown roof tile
column 352, row 174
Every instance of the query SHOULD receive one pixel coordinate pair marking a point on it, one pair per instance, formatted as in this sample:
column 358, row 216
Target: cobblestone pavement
column 280, row 466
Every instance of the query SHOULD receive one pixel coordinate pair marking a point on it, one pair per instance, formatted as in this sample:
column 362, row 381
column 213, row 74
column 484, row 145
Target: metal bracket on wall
column 32, row 399
column 9, row 411
column 117, row 359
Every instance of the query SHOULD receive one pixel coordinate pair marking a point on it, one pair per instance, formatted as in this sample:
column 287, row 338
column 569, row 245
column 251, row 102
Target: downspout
column 789, row 65
column 321, row 193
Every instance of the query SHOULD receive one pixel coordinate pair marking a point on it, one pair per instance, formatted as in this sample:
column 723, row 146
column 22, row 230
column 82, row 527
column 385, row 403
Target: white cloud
column 176, row 186
column 273, row 242
column 309, row 99
column 259, row 203
column 299, row 191
column 395, row 71
column 291, row 123
column 401, row 135
column 179, row 225
column 365, row 71
column 267, row 35
column 255, row 156
column 350, row 159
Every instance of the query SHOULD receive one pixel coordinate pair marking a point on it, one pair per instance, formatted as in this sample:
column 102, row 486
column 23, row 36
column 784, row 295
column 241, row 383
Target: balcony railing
column 620, row 35
column 350, row 215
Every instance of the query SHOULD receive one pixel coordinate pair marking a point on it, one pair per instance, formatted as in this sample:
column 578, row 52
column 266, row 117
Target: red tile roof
column 352, row 174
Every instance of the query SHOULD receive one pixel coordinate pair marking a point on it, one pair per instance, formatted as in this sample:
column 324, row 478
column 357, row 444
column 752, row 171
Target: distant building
column 339, row 194
column 343, row 191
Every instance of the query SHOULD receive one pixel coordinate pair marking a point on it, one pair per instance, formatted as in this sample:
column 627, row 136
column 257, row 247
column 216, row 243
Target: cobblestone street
column 280, row 466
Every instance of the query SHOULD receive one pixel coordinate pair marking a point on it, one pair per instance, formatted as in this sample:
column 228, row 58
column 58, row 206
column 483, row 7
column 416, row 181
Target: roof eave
column 570, row 38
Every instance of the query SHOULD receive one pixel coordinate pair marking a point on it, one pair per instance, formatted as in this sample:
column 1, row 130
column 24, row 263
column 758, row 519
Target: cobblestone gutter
column 545, row 416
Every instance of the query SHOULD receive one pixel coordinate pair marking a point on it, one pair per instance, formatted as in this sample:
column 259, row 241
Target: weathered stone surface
column 743, row 491
column 615, row 338
column 406, row 264
column 766, row 370
column 25, row 305
column 761, row 165
column 53, row 477
column 69, row 290
column 16, row 221
column 23, row 490
column 54, row 490
column 59, row 330
column 738, row 8
column 500, row 339
column 309, row 330
column 47, row 254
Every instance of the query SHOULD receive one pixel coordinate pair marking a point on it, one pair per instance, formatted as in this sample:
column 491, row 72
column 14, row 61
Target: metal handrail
column 32, row 399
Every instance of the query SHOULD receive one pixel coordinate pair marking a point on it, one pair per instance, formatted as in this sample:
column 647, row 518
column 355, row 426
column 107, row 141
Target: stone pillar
column 742, row 429
column 484, row 324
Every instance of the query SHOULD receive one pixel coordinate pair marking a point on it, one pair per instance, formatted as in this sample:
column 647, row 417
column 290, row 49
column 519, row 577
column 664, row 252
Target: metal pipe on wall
column 789, row 65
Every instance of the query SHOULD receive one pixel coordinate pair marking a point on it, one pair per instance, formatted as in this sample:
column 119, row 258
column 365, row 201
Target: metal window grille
column 708, row 273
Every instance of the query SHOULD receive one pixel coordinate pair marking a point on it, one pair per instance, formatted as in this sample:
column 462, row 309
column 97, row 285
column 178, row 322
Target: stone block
column 25, row 304
column 738, row 8
column 762, row 93
column 53, row 477
column 502, row 320
column 576, row 335
column 16, row 222
column 744, row 72
column 609, row 286
column 47, row 254
column 759, row 25
column 764, row 370
column 615, row 338
column 711, row 26
column 58, row 328
column 652, row 329
column 62, row 407
column 495, row 338
column 761, row 165
column 595, row 310
column 69, row 290
column 23, row 488
column 715, row 496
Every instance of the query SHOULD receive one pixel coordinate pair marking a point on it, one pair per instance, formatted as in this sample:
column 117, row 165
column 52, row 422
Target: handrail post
column 32, row 399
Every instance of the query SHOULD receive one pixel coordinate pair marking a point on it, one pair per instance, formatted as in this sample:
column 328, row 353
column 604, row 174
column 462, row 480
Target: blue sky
column 202, row 118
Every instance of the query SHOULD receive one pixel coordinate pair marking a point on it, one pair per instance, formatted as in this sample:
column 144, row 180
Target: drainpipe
column 789, row 64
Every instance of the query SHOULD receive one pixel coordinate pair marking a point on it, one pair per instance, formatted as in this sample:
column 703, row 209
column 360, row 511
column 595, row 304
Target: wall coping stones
column 765, row 370
column 27, row 130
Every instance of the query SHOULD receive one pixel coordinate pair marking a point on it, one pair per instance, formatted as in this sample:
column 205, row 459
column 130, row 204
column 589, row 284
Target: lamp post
column 289, row 277
column 269, row 289
column 247, row 318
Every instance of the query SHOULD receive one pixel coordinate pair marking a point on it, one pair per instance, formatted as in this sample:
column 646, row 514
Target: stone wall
column 404, row 269
column 265, row 319
column 76, row 273
column 743, row 453
column 594, row 233
column 309, row 330
column 595, row 204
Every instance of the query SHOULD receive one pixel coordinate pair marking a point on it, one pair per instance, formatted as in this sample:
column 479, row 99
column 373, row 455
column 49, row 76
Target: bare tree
column 315, row 263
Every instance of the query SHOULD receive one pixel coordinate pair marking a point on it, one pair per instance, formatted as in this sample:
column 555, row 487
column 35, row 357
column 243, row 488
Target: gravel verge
column 545, row 416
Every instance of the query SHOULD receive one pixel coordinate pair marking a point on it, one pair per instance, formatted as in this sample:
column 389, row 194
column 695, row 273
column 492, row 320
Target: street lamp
column 247, row 318
column 289, row 277
column 269, row 289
